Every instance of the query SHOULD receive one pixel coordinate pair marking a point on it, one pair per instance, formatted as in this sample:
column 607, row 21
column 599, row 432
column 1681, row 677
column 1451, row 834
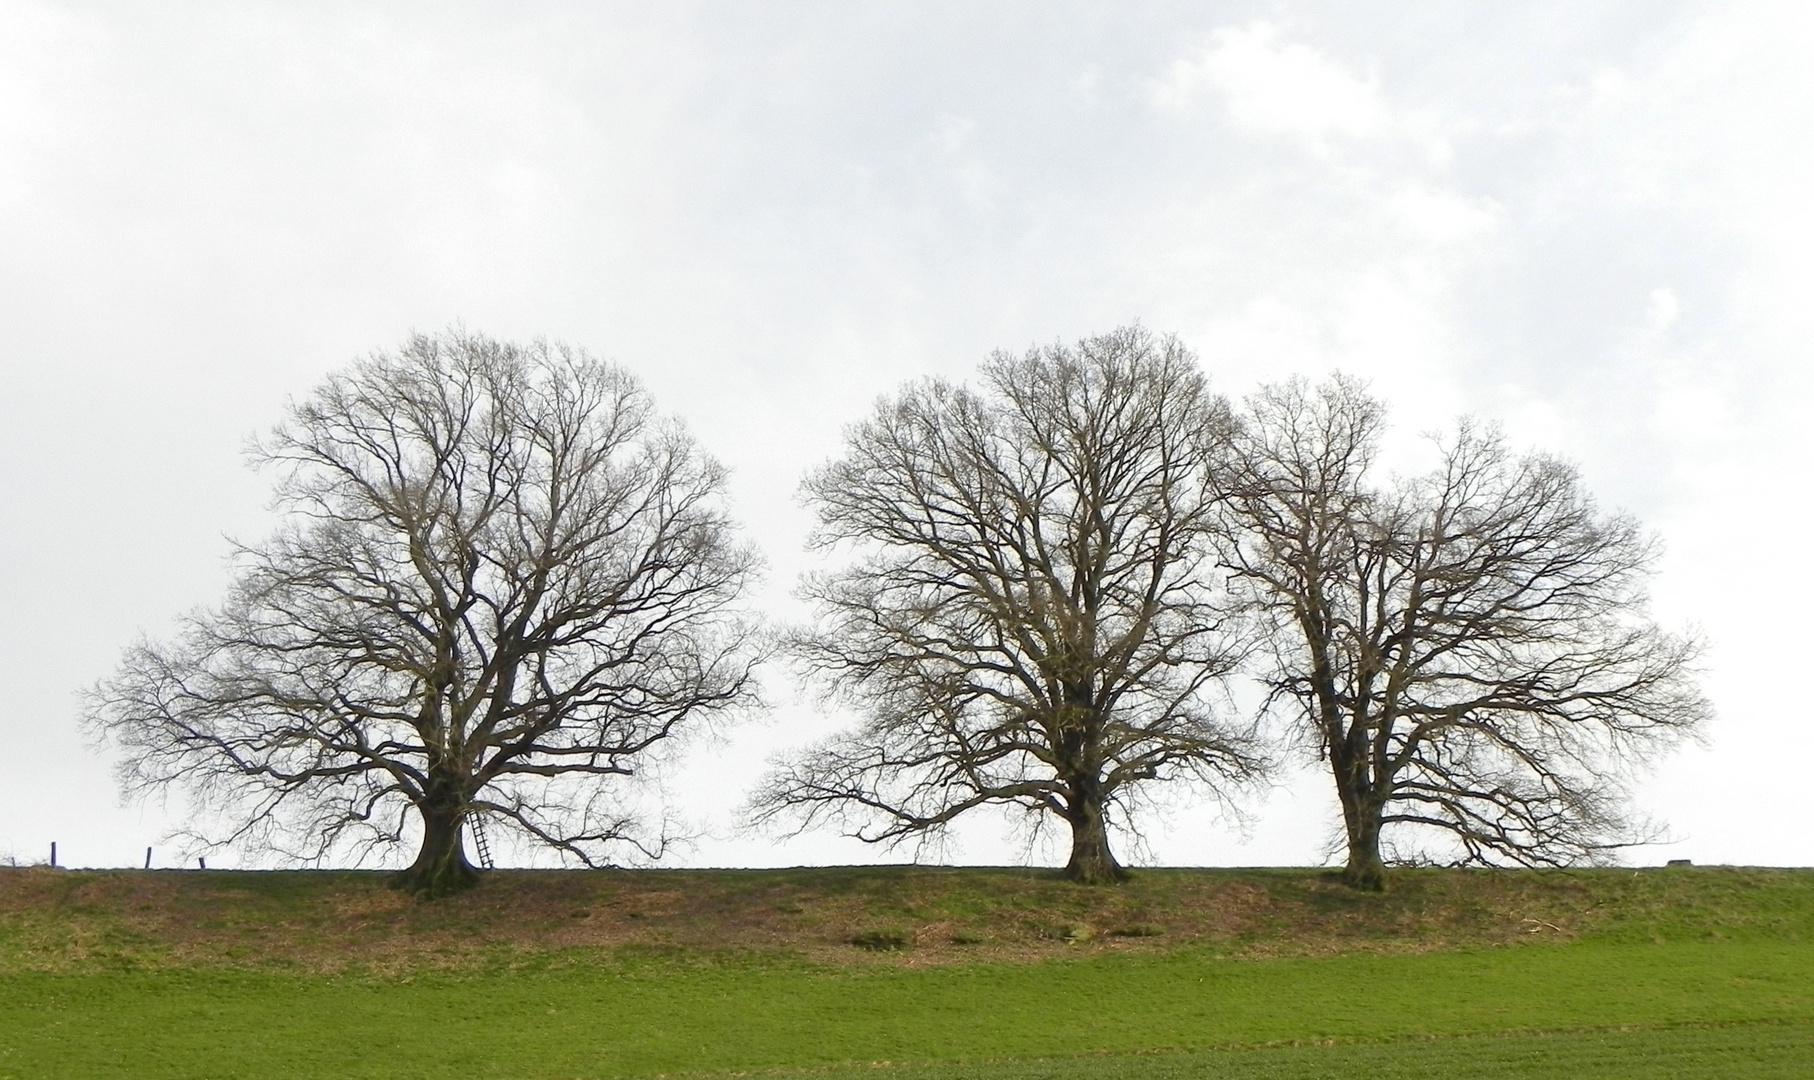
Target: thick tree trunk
column 440, row 867
column 1365, row 869
column 1092, row 863
column 1358, row 788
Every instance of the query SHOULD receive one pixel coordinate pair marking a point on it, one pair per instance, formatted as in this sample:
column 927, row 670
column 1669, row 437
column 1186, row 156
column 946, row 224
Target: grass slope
column 645, row 1019
column 1754, row 1052
column 327, row 921
column 1707, row 972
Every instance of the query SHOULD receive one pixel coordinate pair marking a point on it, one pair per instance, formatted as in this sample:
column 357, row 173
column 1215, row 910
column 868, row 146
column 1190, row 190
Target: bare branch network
column 1032, row 618
column 506, row 585
column 505, row 582
column 1469, row 649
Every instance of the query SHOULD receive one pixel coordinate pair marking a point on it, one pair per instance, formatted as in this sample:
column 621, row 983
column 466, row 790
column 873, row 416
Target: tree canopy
column 505, row 585
column 503, row 581
column 1469, row 649
column 1031, row 616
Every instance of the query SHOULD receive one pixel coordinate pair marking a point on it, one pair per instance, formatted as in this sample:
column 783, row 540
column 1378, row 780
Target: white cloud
column 952, row 133
column 1285, row 88
column 1353, row 250
column 1440, row 216
column 1663, row 310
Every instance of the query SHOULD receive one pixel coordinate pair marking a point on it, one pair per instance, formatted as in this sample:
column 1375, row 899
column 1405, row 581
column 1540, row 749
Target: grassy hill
column 943, row 973
column 327, row 921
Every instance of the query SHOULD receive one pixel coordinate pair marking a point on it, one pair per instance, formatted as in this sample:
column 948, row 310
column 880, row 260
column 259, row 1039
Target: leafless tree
column 1469, row 650
column 1030, row 619
column 503, row 583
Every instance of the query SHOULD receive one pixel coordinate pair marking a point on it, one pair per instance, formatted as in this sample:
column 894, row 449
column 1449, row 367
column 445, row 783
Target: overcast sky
column 1588, row 222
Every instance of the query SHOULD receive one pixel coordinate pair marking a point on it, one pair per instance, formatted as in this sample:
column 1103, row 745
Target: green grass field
column 1705, row 973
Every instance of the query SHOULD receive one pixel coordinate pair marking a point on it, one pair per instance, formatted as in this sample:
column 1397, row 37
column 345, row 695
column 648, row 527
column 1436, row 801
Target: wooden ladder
column 480, row 841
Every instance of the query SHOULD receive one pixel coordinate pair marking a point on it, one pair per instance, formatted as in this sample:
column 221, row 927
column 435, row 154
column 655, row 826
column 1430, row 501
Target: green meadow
column 1682, row 973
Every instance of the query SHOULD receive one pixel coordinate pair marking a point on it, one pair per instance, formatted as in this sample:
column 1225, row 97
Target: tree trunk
column 1365, row 869
column 1363, row 802
column 440, row 867
column 1092, row 863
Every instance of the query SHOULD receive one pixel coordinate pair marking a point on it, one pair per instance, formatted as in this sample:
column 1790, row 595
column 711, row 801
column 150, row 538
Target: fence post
column 147, row 858
column 53, row 853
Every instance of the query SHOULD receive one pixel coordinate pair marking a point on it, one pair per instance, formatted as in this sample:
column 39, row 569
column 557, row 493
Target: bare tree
column 504, row 581
column 1469, row 650
column 1029, row 620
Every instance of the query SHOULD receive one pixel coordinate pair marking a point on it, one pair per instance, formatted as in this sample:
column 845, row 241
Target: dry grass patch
column 325, row 921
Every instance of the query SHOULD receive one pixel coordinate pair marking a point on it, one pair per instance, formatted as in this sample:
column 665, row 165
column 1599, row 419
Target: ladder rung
column 481, row 842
